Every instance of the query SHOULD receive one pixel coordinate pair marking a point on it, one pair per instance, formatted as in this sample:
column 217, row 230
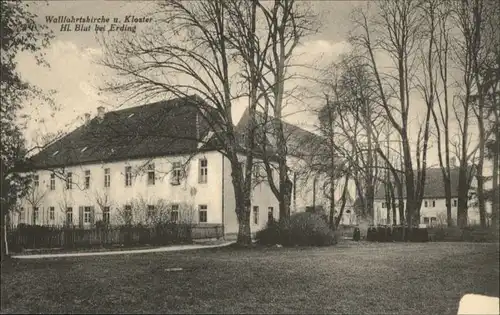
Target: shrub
column 304, row 229
column 101, row 225
column 396, row 233
column 356, row 236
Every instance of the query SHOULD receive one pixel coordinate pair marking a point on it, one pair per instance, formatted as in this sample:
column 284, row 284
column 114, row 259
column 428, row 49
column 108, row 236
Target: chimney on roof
column 87, row 118
column 100, row 112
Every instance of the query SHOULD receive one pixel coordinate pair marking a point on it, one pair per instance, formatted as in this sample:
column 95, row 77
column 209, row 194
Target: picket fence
column 36, row 237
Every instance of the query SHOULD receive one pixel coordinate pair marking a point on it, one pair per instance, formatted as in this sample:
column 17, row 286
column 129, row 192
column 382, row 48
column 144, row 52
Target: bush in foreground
column 303, row 229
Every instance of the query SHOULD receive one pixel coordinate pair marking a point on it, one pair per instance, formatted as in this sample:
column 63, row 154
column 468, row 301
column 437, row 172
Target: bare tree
column 440, row 13
column 63, row 204
column 468, row 19
column 351, row 122
column 485, row 67
column 211, row 56
column 104, row 204
column 395, row 31
column 35, row 196
column 287, row 23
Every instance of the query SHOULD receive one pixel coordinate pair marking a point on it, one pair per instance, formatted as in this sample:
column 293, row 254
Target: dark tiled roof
column 434, row 184
column 157, row 129
column 300, row 142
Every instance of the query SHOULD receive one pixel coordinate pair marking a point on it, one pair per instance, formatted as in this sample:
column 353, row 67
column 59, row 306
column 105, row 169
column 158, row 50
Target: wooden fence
column 35, row 237
column 432, row 234
column 470, row 234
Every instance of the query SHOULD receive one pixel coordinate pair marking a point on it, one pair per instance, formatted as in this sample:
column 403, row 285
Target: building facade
column 143, row 164
column 433, row 209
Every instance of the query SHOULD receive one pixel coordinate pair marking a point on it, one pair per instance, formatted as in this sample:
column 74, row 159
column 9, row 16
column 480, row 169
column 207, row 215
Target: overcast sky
column 76, row 77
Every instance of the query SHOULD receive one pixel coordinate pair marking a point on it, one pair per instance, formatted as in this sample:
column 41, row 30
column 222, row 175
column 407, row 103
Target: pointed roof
column 349, row 200
column 434, row 184
column 158, row 129
column 300, row 142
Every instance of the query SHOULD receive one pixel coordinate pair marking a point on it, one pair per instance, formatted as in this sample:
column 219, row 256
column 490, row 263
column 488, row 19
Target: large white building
column 433, row 209
column 134, row 162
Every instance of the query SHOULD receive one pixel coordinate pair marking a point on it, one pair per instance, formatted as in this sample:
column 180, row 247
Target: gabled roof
column 158, row 129
column 300, row 142
column 349, row 202
column 434, row 184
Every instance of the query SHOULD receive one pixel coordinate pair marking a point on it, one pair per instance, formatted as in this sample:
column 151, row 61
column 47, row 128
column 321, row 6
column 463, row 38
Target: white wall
column 305, row 187
column 217, row 194
column 437, row 212
column 262, row 197
column 119, row 195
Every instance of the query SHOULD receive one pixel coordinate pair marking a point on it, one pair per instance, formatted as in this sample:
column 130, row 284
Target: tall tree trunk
column 243, row 204
column 388, row 201
column 463, row 193
column 4, row 235
column 343, row 200
column 393, row 205
column 332, row 201
column 495, row 210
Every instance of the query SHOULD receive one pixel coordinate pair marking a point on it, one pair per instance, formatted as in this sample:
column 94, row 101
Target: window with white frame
column 203, row 213
column 52, row 214
column 151, row 211
column 23, row 215
column 426, row 220
column 107, row 177
column 35, row 213
column 426, row 204
column 256, row 171
column 383, row 205
column 270, row 213
column 87, row 215
column 52, row 181
column 69, row 215
column 69, row 180
column 36, row 180
column 433, row 221
column 176, row 173
column 128, row 214
column 203, row 171
column 455, row 202
column 87, row 179
column 106, row 215
column 151, row 174
column 256, row 214
column 174, row 214
column 128, row 176
column 434, row 203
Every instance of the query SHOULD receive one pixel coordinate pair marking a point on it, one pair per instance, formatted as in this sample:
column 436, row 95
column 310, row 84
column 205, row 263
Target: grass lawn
column 351, row 278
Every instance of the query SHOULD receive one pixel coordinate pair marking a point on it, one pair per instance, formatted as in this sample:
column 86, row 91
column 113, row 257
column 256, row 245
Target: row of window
column 88, row 213
column 270, row 214
column 177, row 175
column 427, row 204
column 431, row 220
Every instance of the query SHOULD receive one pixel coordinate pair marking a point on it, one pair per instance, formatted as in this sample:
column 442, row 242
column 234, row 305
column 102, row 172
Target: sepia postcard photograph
column 250, row 157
